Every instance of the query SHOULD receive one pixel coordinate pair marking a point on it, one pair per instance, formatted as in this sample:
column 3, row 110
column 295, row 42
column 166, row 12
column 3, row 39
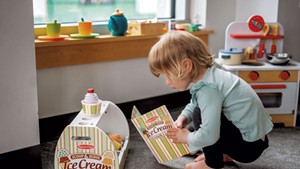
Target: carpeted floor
column 283, row 153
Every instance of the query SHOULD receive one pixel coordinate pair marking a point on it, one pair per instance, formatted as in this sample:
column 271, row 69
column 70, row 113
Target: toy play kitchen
column 254, row 52
column 98, row 137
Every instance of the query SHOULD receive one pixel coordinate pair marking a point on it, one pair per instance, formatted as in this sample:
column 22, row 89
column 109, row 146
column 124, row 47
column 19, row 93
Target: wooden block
column 145, row 28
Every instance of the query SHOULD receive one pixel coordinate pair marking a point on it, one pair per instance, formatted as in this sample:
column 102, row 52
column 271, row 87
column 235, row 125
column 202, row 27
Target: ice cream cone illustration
column 144, row 130
column 64, row 161
column 167, row 120
column 63, row 156
column 108, row 158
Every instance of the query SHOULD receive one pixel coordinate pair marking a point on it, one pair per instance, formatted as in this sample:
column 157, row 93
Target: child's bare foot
column 228, row 161
column 227, row 158
column 197, row 165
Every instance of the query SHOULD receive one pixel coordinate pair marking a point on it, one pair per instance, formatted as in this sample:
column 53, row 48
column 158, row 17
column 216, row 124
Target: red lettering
column 106, row 167
column 84, row 164
column 94, row 156
column 98, row 166
column 81, row 164
column 74, row 165
column 92, row 166
column 86, row 146
column 87, row 165
column 77, row 156
column 152, row 119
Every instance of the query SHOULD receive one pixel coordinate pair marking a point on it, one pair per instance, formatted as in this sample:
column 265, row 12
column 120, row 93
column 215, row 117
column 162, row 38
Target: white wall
column 221, row 13
column 288, row 15
column 18, row 90
column 268, row 9
column 198, row 12
column 60, row 90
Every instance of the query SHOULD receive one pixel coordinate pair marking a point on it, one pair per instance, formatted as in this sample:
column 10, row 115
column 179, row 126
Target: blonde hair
column 167, row 54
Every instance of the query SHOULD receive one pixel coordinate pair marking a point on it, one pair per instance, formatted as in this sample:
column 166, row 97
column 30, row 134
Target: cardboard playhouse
column 85, row 143
column 98, row 137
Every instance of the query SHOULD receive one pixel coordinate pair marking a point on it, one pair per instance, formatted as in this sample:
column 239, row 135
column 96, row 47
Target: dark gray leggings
column 230, row 143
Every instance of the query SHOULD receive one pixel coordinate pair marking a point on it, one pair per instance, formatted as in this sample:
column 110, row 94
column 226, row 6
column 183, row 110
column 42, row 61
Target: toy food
column 91, row 104
column 116, row 139
column 168, row 120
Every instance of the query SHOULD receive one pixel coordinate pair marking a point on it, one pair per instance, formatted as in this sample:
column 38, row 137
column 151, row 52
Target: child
column 229, row 119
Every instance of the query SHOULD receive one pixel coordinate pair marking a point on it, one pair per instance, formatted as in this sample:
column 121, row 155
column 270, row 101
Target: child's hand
column 180, row 122
column 200, row 158
column 178, row 135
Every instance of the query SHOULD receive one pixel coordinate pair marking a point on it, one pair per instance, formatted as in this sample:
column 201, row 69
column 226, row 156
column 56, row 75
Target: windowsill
column 50, row 54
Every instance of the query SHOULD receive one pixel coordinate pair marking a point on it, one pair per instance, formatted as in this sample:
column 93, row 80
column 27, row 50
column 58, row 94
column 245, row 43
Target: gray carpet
column 283, row 153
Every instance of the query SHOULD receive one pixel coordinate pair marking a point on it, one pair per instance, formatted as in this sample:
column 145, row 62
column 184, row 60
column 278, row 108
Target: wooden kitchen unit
column 276, row 85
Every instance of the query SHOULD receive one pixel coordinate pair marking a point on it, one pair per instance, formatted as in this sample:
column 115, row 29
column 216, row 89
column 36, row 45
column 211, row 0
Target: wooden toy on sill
column 147, row 27
column 117, row 23
column 86, row 142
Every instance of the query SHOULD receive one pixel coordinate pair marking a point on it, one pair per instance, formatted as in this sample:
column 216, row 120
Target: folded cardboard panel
column 85, row 147
column 153, row 126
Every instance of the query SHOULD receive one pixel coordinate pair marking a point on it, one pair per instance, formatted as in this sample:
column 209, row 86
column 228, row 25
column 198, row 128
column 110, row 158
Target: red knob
column 284, row 75
column 90, row 90
column 253, row 75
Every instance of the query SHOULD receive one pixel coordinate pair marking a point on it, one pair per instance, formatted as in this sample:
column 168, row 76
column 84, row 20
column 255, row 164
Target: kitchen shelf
column 251, row 36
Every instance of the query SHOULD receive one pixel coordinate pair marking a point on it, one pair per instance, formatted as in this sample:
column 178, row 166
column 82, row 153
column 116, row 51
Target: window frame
column 179, row 13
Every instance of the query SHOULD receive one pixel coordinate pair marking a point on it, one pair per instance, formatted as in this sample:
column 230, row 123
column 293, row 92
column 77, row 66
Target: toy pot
column 117, row 24
column 231, row 56
column 279, row 58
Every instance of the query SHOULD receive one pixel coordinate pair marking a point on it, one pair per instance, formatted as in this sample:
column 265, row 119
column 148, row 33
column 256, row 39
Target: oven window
column 270, row 100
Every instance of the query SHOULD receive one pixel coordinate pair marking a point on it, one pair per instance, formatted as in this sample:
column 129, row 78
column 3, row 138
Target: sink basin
column 253, row 63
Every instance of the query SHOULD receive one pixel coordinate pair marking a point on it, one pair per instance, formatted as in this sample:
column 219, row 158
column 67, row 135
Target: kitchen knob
column 253, row 75
column 284, row 75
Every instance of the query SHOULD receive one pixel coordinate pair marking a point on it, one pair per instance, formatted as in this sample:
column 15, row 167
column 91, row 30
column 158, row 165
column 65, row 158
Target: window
column 70, row 11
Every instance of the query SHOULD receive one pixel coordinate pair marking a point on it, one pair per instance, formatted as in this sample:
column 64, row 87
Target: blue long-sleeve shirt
column 223, row 92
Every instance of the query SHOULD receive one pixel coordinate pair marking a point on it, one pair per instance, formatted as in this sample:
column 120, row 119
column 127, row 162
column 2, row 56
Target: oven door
column 277, row 98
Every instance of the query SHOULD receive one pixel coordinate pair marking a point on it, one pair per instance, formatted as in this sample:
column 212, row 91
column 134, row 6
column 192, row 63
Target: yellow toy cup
column 53, row 29
column 85, row 28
